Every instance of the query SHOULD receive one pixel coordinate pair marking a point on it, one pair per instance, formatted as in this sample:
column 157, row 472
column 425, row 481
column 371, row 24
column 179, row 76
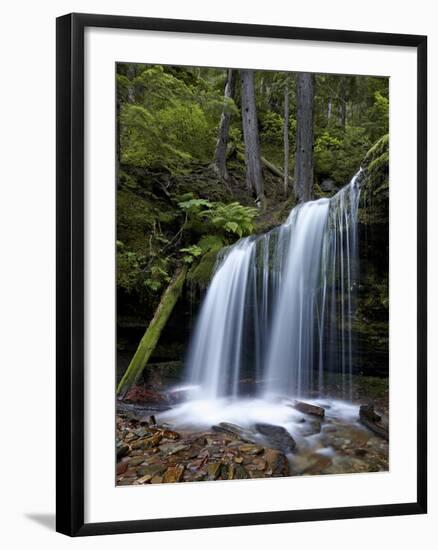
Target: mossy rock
column 202, row 272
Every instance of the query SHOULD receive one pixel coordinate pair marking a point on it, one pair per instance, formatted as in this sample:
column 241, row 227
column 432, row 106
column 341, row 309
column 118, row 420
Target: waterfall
column 277, row 316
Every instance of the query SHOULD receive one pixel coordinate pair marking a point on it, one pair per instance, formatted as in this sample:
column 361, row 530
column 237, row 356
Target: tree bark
column 303, row 181
column 151, row 336
column 254, row 178
column 220, row 154
column 286, row 139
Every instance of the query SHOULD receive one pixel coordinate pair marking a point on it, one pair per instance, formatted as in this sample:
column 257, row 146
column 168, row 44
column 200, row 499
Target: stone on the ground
column 277, row 437
column 173, row 474
column 234, row 430
column 370, row 419
column 308, row 408
column 213, row 470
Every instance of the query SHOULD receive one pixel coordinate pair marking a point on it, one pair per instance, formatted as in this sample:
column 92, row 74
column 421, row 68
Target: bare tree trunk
column 343, row 112
column 131, row 75
column 286, row 139
column 220, row 154
column 329, row 110
column 303, row 181
column 254, row 178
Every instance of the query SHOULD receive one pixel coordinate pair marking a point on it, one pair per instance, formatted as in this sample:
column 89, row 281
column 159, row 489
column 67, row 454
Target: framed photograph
column 241, row 274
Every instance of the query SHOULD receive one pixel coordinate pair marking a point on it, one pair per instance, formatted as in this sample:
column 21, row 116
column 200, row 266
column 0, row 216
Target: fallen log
column 151, row 336
column 274, row 169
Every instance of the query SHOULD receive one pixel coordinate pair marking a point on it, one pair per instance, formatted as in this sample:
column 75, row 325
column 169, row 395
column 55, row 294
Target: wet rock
column 143, row 431
column 277, row 437
column 174, row 474
column 259, row 463
column 136, row 461
column 227, row 471
column 277, row 463
column 370, row 419
column 213, row 470
column 130, row 473
column 170, row 434
column 234, row 430
column 122, row 467
column 147, row 442
column 240, row 472
column 139, row 394
column 122, row 482
column 151, row 470
column 122, row 450
column 251, row 449
column 318, row 465
column 308, row 408
column 172, row 448
column 142, row 480
column 312, row 427
column 157, row 479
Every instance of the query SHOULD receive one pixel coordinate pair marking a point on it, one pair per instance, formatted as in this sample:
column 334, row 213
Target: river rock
column 157, row 479
column 277, row 463
column 143, row 479
column 122, row 450
column 312, row 427
column 372, row 421
column 170, row 434
column 147, row 442
column 277, row 437
column 308, row 408
column 173, row 448
column 234, row 430
column 174, row 474
column 227, row 471
column 152, row 470
column 251, row 449
column 240, row 472
column 121, row 468
column 213, row 470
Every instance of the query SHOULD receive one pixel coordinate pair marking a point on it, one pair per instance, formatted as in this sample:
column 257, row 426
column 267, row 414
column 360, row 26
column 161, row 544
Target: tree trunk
column 254, row 178
column 131, row 75
column 343, row 113
column 286, row 139
column 303, row 181
column 151, row 336
column 220, row 154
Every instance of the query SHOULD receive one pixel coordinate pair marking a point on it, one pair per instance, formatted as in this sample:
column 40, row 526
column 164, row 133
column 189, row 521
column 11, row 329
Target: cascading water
column 279, row 310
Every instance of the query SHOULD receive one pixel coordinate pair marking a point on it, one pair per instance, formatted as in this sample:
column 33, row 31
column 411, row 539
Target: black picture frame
column 70, row 273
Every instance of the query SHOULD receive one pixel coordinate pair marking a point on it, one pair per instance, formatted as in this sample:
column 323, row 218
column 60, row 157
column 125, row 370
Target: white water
column 277, row 316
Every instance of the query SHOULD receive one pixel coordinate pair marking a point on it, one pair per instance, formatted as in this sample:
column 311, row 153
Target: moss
column 153, row 332
column 201, row 272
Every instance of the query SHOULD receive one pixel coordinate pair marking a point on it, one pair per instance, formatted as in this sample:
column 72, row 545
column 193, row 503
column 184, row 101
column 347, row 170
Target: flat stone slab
column 276, row 437
column 308, row 408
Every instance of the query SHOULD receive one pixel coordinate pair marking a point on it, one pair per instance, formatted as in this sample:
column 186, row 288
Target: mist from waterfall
column 277, row 316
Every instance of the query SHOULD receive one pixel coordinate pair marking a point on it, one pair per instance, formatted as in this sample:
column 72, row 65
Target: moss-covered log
column 151, row 336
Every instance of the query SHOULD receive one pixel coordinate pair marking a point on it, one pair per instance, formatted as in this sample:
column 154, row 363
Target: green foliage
column 227, row 218
column 171, row 210
column 191, row 252
column 339, row 152
column 166, row 123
